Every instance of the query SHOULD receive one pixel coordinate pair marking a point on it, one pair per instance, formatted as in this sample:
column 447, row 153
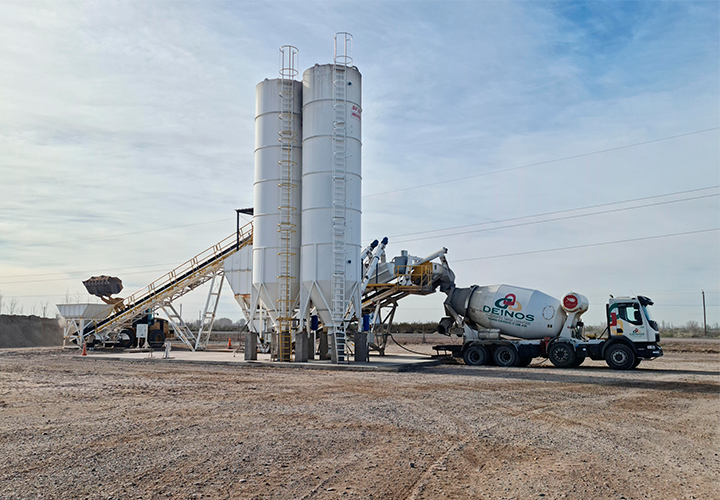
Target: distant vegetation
column 691, row 329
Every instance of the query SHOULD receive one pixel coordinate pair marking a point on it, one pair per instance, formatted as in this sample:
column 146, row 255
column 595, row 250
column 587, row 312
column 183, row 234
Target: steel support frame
column 210, row 311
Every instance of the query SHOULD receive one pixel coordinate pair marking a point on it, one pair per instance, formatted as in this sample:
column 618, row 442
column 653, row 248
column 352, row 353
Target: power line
column 75, row 277
column 80, row 273
column 546, row 162
column 111, row 237
column 589, row 245
column 557, row 212
column 559, row 218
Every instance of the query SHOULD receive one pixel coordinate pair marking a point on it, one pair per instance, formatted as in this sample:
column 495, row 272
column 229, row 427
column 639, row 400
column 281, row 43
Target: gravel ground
column 73, row 427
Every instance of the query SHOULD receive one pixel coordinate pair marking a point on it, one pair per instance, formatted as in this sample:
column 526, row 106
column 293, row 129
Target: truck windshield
column 653, row 323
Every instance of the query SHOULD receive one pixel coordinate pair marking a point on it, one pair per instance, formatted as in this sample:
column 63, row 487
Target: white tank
column 268, row 155
column 238, row 273
column 517, row 312
column 317, row 183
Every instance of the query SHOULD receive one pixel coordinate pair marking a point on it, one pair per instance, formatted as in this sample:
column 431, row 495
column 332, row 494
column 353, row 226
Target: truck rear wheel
column 524, row 361
column 506, row 355
column 562, row 355
column 620, row 357
column 475, row 355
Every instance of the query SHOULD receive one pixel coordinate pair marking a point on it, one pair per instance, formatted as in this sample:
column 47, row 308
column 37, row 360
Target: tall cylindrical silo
column 277, row 190
column 329, row 206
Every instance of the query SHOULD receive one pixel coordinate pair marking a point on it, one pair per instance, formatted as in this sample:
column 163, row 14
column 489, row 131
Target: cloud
column 119, row 117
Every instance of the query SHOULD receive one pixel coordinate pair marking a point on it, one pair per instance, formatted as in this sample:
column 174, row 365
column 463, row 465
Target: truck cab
column 631, row 317
column 632, row 333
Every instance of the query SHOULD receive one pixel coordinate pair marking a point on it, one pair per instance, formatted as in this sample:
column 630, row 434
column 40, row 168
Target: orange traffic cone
column 229, row 343
column 84, row 353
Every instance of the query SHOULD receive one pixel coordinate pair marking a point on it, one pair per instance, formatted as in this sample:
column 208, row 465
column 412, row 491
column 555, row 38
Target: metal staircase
column 162, row 292
column 208, row 316
column 339, row 151
column 181, row 329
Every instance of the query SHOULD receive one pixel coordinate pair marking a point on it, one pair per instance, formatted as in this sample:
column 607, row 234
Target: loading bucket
column 103, row 286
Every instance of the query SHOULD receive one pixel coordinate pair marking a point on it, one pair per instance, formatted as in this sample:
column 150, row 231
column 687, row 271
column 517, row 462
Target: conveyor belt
column 181, row 280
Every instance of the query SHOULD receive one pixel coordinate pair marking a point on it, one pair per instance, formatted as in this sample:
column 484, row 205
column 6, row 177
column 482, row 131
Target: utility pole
column 704, row 314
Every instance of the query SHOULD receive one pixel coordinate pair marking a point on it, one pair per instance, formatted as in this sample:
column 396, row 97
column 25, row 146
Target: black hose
column 408, row 350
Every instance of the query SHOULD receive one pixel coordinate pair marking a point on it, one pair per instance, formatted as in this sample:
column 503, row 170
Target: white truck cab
column 629, row 316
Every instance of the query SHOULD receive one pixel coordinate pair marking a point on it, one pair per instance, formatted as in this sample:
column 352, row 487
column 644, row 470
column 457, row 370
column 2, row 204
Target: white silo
column 277, row 190
column 331, row 191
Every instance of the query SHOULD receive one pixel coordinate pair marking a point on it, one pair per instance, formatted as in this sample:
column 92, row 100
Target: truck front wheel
column 562, row 355
column 506, row 355
column 475, row 355
column 127, row 338
column 156, row 338
column 620, row 357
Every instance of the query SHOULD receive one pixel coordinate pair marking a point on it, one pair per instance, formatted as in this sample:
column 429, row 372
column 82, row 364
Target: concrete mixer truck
column 509, row 326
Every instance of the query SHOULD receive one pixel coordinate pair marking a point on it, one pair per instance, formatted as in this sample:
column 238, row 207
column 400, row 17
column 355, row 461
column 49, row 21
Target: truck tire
column 578, row 361
column 637, row 362
column 524, row 361
column 620, row 357
column 562, row 354
column 506, row 355
column 127, row 338
column 475, row 355
column 156, row 338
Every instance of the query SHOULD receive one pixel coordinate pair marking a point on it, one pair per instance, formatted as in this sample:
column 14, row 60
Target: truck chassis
column 618, row 352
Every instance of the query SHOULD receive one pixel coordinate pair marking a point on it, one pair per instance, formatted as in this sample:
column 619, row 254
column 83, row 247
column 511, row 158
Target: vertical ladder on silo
column 339, row 302
column 286, row 228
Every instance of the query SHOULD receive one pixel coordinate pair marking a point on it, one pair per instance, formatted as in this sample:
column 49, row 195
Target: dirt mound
column 29, row 331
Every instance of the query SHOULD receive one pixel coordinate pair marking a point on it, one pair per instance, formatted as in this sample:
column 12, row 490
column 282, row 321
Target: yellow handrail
column 184, row 270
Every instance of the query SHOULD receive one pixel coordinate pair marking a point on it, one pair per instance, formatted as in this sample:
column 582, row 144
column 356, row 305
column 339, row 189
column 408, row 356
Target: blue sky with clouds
column 126, row 140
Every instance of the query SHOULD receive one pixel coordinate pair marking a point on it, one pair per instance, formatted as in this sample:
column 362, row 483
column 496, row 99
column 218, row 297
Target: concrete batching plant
column 307, row 210
column 300, row 272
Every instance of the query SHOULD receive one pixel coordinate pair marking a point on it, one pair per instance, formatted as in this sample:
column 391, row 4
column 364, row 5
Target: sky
column 563, row 146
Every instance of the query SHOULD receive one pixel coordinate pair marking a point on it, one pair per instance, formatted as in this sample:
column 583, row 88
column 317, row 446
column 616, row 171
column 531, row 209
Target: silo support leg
column 301, row 347
column 323, row 346
column 250, row 346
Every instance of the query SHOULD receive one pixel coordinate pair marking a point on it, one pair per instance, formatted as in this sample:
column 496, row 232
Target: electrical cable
column 82, row 272
column 546, row 162
column 75, row 277
column 473, row 258
column 615, row 210
column 590, row 245
column 119, row 235
column 557, row 212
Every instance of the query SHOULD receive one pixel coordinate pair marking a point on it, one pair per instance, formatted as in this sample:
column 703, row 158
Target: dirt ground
column 73, row 427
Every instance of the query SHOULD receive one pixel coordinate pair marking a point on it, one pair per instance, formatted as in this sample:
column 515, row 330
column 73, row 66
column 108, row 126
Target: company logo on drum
column 510, row 307
column 509, row 302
